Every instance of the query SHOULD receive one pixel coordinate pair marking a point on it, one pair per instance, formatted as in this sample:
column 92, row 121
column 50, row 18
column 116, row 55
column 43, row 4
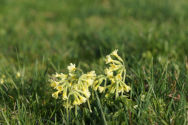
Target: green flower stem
column 100, row 107
column 89, row 105
column 76, row 111
column 67, row 110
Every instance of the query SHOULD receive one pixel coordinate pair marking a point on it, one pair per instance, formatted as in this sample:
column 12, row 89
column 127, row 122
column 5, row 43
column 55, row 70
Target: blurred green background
column 82, row 29
column 40, row 37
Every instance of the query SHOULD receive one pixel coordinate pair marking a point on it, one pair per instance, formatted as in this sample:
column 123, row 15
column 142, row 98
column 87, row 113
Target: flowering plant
column 74, row 87
column 114, row 75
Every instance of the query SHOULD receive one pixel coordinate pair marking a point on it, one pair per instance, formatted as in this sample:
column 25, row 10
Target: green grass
column 39, row 38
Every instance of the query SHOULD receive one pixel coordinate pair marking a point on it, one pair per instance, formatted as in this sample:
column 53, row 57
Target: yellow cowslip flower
column 72, row 75
column 95, row 84
column 71, row 67
column 120, row 89
column 64, row 97
column 114, row 67
column 54, row 84
column 55, row 94
column 118, row 77
column 101, row 89
column 63, row 76
column 91, row 74
column 112, row 80
column 89, row 82
column 2, row 81
column 56, row 75
column 109, row 72
column 127, row 88
column 76, row 102
column 87, row 79
column 112, row 89
column 114, row 53
column 86, row 92
column 18, row 75
column 60, row 88
column 82, row 99
column 108, row 59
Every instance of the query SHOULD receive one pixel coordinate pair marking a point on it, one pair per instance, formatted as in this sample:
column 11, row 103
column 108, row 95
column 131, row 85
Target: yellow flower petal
column 109, row 72
column 108, row 59
column 114, row 53
column 60, row 88
column 1, row 81
column 82, row 99
column 54, row 84
column 127, row 88
column 101, row 89
column 55, row 94
column 71, row 67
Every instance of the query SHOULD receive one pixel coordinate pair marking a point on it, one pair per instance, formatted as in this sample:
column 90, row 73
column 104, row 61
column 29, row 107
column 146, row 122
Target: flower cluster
column 114, row 75
column 73, row 87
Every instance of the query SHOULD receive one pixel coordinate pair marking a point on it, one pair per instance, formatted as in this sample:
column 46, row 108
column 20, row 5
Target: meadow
column 40, row 38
